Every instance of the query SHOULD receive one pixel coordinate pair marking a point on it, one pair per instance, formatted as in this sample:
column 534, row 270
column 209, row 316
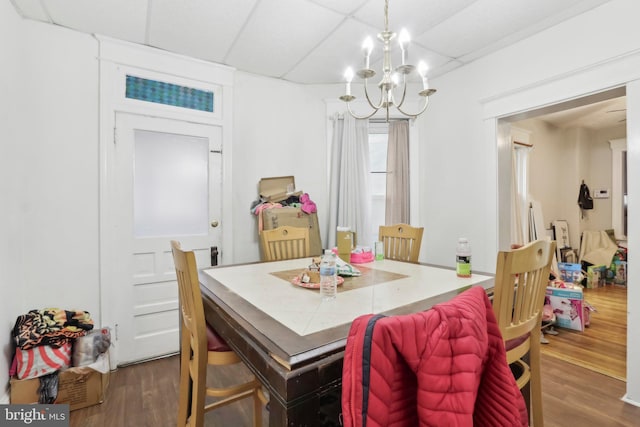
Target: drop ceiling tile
column 205, row 29
column 292, row 38
column 279, row 34
column 343, row 48
column 121, row 19
column 487, row 22
column 31, row 9
column 444, row 68
column 416, row 16
column 535, row 21
column 342, row 6
column 340, row 50
column 416, row 54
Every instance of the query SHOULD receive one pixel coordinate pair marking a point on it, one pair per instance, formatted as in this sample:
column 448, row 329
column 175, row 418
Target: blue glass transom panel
column 169, row 94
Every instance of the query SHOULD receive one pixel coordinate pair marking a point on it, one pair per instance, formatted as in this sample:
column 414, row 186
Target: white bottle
column 328, row 278
column 463, row 258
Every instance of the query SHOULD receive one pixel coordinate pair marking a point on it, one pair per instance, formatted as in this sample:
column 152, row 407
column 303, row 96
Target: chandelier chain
column 386, row 15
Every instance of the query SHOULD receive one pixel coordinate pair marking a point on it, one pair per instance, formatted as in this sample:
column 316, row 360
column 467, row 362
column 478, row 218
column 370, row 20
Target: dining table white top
column 392, row 284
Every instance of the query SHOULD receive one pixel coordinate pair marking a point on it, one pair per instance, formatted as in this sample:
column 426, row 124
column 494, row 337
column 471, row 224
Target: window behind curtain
column 378, row 139
column 520, row 223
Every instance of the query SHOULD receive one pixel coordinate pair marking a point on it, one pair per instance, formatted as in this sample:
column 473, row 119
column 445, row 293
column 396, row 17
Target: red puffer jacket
column 442, row 367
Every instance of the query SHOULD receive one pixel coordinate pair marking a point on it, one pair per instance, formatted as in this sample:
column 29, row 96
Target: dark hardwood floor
column 146, row 394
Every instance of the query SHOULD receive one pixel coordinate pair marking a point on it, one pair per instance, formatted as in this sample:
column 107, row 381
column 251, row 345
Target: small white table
column 294, row 341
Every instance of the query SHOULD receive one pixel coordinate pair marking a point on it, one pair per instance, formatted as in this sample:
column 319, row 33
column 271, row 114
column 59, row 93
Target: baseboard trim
column 629, row 401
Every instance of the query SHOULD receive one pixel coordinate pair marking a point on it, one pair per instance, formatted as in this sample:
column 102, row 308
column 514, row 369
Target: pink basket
column 362, row 257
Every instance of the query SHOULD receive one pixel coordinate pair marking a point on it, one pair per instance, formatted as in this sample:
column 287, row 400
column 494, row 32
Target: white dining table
column 294, row 341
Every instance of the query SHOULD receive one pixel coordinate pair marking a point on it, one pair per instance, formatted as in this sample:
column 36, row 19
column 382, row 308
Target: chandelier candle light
column 390, row 77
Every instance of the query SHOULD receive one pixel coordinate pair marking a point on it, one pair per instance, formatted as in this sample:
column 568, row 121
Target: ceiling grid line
column 252, row 35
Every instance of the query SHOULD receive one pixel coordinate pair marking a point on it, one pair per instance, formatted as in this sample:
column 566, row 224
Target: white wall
column 10, row 178
column 593, row 52
column 53, row 161
column 559, row 161
column 601, row 176
column 633, row 292
column 572, row 156
column 472, row 94
column 457, row 174
column 60, row 145
column 279, row 130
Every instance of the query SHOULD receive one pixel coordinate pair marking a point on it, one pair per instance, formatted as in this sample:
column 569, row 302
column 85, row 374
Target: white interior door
column 168, row 187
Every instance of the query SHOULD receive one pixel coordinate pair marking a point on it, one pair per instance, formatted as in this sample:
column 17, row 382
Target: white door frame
column 117, row 59
column 619, row 72
column 618, row 146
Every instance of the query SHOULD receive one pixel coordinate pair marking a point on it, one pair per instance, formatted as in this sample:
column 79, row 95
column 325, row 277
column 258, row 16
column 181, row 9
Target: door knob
column 214, row 223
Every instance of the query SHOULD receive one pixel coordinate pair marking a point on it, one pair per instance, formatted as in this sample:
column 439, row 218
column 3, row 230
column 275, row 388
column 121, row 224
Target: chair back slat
column 285, row 243
column 520, row 284
column 401, row 242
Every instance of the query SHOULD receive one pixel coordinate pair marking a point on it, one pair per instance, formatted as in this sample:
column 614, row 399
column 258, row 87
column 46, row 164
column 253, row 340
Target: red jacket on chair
column 442, row 367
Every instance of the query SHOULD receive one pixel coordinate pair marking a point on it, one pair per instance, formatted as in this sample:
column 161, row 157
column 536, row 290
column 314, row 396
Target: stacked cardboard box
column 280, row 188
column 78, row 387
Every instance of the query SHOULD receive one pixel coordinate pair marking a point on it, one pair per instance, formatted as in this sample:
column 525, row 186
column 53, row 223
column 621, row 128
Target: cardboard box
column 79, row 387
column 568, row 306
column 596, row 276
column 619, row 269
column 277, row 188
column 294, row 217
column 570, row 272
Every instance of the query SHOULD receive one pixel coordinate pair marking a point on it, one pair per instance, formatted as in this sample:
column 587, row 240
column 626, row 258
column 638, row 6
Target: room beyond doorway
column 571, row 143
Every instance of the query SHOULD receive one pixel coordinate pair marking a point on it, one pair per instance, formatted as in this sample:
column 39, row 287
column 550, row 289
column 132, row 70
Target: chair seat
column 515, row 342
column 215, row 342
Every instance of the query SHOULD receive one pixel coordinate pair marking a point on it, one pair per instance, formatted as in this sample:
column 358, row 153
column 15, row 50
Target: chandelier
column 390, row 77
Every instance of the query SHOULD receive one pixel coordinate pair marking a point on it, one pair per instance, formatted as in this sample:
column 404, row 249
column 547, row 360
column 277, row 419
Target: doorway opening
column 572, row 142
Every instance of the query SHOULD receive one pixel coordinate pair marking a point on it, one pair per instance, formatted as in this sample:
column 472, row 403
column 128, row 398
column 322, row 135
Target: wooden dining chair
column 521, row 280
column 401, row 242
column 285, row 243
column 201, row 346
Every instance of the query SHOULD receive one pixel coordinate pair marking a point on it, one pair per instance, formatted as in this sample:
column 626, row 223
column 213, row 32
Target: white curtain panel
column 520, row 190
column 350, row 199
column 397, row 197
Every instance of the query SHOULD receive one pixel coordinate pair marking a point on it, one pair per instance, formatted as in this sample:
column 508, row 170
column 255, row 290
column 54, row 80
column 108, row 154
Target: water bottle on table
column 463, row 258
column 328, row 277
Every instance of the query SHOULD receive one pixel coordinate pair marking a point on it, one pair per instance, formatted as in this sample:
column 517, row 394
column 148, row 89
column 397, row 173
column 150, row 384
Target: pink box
column 568, row 306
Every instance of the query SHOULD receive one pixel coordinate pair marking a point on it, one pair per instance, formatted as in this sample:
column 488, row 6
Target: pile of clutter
column 302, row 201
column 51, row 340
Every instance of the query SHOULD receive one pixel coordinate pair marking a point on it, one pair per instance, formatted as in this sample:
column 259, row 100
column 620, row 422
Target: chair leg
column 257, row 408
column 536, row 384
column 185, row 381
column 199, row 369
